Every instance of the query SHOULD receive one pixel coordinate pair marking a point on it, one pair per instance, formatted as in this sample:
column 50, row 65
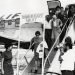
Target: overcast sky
column 26, row 6
column 66, row 2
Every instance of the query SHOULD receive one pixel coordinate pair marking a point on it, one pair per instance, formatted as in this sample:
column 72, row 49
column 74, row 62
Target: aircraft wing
column 14, row 41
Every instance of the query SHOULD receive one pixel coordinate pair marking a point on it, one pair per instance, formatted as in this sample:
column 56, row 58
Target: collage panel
column 21, row 21
column 9, row 36
column 59, row 35
column 31, row 49
column 51, row 36
column 22, row 26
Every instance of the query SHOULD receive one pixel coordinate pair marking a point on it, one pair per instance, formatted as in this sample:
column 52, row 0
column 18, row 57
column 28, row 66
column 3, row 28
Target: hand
column 2, row 71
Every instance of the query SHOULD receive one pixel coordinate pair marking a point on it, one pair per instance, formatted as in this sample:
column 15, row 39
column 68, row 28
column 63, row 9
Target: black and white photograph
column 37, row 37
column 59, row 35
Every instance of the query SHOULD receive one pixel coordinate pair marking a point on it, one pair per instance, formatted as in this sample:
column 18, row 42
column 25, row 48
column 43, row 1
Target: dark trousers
column 66, row 72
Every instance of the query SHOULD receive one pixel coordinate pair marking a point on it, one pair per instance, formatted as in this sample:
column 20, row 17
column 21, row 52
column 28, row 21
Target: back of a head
column 57, row 8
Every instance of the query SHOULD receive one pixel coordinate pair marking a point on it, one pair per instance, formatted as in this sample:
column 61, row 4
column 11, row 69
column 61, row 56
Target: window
column 2, row 23
column 17, row 22
column 9, row 22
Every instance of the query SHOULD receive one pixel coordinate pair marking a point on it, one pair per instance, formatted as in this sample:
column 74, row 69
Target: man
column 67, row 65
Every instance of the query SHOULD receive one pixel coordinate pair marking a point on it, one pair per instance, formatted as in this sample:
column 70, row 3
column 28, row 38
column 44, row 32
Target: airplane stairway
column 52, row 53
column 29, row 69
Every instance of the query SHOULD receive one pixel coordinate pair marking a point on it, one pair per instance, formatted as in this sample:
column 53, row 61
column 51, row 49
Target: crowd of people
column 58, row 20
column 64, row 62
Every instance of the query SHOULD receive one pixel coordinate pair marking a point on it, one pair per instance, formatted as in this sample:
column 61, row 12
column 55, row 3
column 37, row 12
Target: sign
column 30, row 18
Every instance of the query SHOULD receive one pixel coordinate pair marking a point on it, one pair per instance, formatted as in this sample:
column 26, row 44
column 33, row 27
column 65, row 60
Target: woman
column 35, row 41
column 6, row 60
column 71, row 11
column 56, row 25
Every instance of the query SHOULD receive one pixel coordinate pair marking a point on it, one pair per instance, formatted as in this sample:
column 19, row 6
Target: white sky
column 66, row 2
column 27, row 6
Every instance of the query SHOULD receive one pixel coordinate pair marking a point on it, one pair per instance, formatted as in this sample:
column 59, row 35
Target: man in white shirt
column 67, row 65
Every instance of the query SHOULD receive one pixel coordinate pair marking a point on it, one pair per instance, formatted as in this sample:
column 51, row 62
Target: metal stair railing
column 47, row 58
column 66, row 32
column 26, row 54
column 28, row 63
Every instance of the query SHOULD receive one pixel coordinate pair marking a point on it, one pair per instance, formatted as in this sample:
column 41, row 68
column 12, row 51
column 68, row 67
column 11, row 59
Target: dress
column 56, row 30
column 7, row 66
column 36, row 41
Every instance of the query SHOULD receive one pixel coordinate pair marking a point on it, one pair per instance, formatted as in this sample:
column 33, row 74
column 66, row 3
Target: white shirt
column 40, row 48
column 48, row 25
column 68, row 60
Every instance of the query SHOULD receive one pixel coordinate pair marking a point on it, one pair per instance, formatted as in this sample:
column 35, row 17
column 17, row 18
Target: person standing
column 7, row 68
column 56, row 25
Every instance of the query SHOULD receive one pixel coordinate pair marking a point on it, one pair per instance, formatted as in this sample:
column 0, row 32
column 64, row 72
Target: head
column 62, row 10
column 58, row 9
column 66, row 10
column 8, row 47
column 68, row 40
column 72, row 9
column 47, row 18
column 54, row 17
column 37, row 33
